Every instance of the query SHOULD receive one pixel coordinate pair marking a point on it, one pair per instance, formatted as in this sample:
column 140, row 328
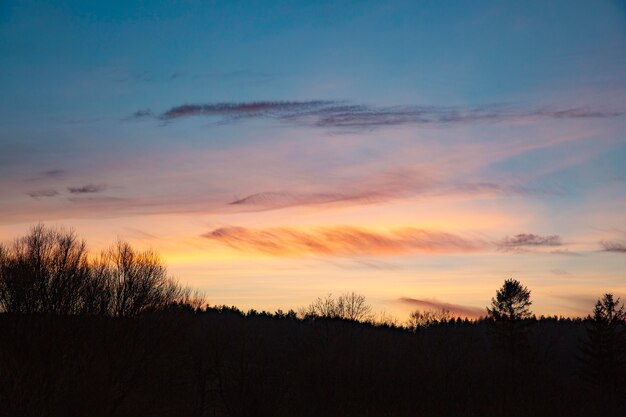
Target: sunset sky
column 417, row 152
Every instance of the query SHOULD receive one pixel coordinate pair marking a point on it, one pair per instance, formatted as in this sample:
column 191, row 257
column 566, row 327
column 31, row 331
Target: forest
column 114, row 334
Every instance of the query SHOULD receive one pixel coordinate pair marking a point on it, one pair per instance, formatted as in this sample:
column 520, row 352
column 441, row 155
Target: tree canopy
column 512, row 302
column 348, row 306
column 603, row 361
column 49, row 271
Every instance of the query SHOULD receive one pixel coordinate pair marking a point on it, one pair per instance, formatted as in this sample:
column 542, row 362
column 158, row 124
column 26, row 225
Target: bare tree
column 138, row 281
column 43, row 272
column 420, row 319
column 321, row 307
column 48, row 271
column 98, row 290
column 353, row 306
column 348, row 306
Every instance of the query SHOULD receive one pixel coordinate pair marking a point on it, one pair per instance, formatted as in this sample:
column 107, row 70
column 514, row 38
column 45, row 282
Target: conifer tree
column 510, row 313
column 603, row 360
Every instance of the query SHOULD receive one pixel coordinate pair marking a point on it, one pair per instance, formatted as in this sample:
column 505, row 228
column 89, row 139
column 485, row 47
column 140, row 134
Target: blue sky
column 209, row 130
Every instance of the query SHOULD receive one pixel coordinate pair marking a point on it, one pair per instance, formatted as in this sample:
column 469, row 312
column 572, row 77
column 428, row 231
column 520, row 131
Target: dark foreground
column 222, row 363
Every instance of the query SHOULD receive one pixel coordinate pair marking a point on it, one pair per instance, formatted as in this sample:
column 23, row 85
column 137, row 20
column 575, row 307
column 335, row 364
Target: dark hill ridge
column 221, row 362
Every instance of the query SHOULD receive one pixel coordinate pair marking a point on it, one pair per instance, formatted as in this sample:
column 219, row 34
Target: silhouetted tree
column 420, row 319
column 353, row 306
column 510, row 313
column 48, row 271
column 44, row 272
column 603, row 360
column 138, row 281
column 348, row 306
column 511, row 302
column 98, row 291
column 321, row 307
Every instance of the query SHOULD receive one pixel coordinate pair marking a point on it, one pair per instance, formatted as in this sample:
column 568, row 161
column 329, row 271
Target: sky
column 416, row 152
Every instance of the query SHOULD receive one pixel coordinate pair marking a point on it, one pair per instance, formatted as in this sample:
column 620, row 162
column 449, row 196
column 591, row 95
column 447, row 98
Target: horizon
column 273, row 153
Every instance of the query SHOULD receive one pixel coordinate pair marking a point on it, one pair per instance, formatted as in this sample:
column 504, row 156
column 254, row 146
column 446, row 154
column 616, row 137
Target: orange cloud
column 341, row 241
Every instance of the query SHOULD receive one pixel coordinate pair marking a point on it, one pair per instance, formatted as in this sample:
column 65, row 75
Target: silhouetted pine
column 603, row 359
column 511, row 317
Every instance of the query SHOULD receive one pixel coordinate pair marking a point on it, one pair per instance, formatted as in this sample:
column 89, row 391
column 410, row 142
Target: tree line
column 114, row 335
column 50, row 271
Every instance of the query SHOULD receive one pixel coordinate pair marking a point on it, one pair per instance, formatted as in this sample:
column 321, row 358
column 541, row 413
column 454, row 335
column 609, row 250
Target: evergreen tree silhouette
column 510, row 315
column 603, row 360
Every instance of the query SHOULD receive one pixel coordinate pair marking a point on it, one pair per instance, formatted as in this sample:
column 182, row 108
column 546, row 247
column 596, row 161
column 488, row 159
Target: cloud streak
column 277, row 200
column 491, row 188
column 582, row 304
column 456, row 309
column 270, row 200
column 613, row 246
column 271, row 109
column 142, row 114
column 50, row 174
column 525, row 241
column 54, row 173
column 370, row 189
column 43, row 193
column 87, row 189
column 345, row 115
column 378, row 188
column 341, row 241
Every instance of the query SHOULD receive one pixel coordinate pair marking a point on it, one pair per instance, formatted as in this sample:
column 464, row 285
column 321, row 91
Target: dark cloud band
column 528, row 240
column 344, row 115
column 86, row 189
column 43, row 193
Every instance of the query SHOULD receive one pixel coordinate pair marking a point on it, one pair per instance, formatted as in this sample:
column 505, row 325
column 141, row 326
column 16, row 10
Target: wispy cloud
column 121, row 76
column 582, row 304
column 380, row 187
column 49, row 174
column 455, row 309
column 43, row 193
column 272, row 109
column 340, row 241
column 140, row 234
column 276, row 200
column 525, row 241
column 613, row 246
column 101, row 203
column 142, row 114
column 270, row 200
column 87, row 189
column 54, row 173
column 372, row 188
column 565, row 252
column 345, row 115
column 492, row 188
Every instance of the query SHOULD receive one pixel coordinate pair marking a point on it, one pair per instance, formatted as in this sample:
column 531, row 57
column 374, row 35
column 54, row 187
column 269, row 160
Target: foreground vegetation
column 171, row 355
